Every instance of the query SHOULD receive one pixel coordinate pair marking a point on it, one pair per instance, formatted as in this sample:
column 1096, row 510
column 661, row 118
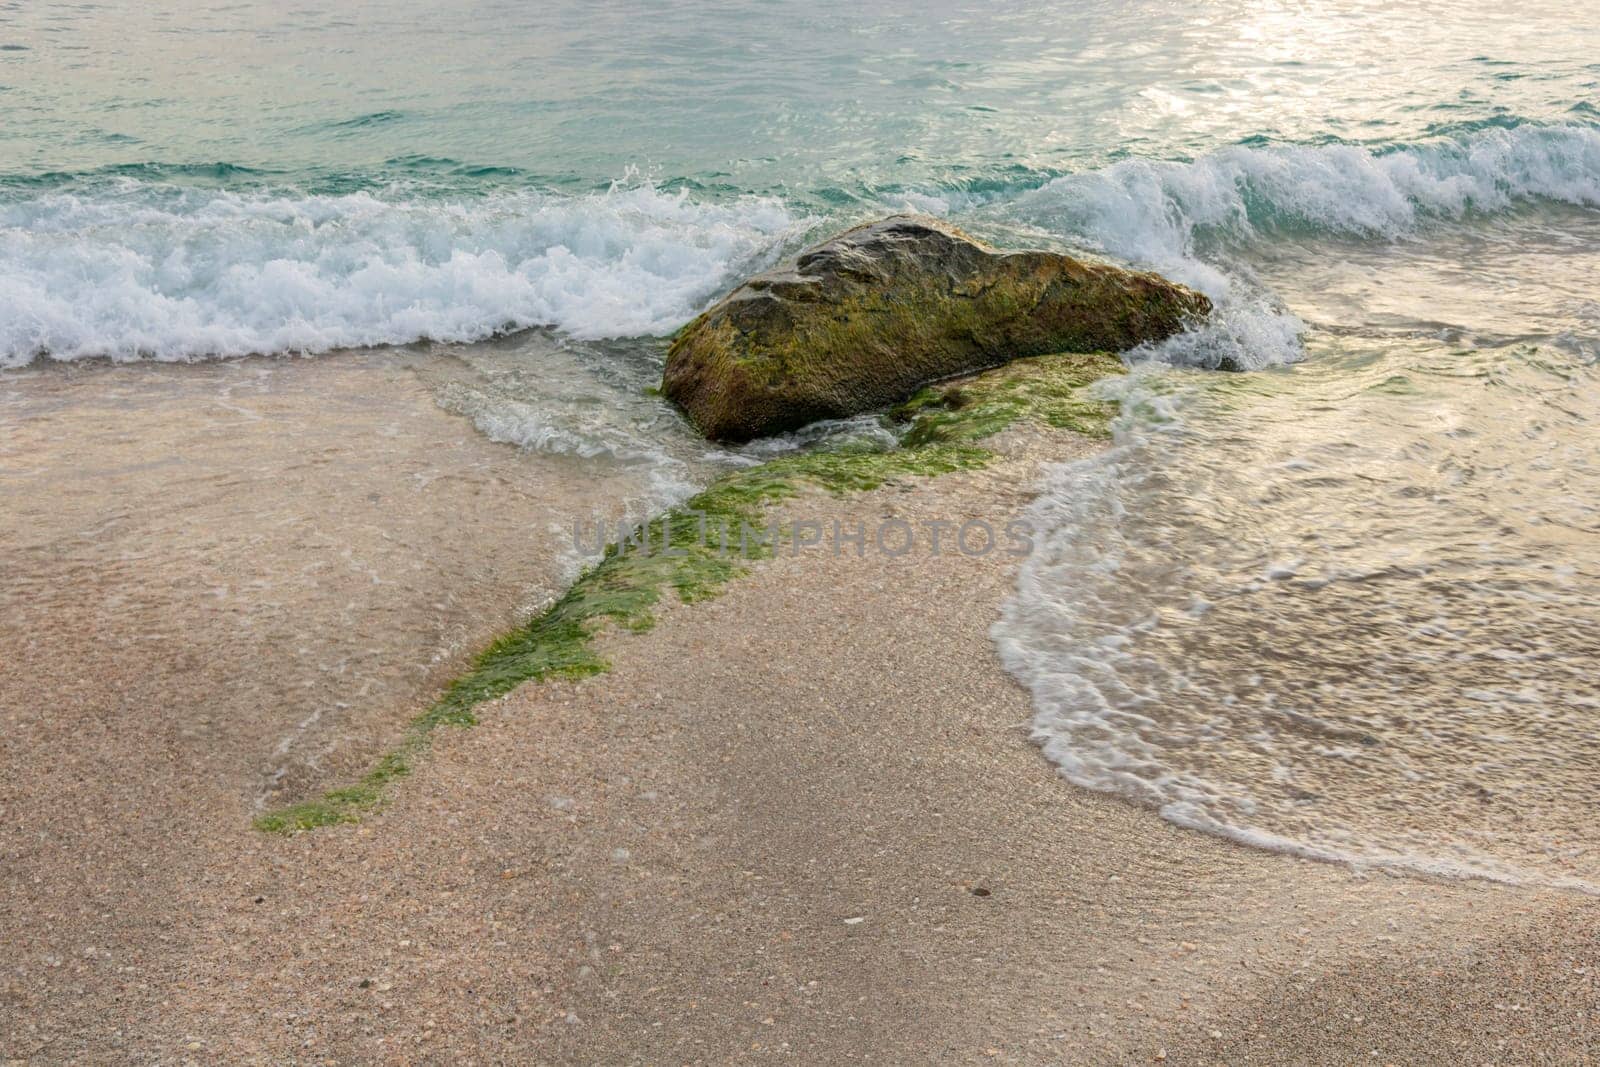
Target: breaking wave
column 144, row 267
column 149, row 270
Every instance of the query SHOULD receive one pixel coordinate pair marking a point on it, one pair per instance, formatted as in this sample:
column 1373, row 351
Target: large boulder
column 861, row 321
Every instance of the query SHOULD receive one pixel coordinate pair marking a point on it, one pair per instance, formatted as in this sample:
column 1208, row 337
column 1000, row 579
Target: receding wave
column 1290, row 611
column 162, row 271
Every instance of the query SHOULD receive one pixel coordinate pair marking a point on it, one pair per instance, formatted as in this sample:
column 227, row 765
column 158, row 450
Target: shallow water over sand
column 1350, row 608
column 249, row 565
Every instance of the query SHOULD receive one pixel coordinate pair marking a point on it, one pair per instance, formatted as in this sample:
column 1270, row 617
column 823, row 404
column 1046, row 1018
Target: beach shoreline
column 705, row 533
column 802, row 817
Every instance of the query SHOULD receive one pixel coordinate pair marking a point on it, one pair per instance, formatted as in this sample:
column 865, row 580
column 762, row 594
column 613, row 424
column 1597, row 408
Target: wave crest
column 1162, row 213
column 1185, row 218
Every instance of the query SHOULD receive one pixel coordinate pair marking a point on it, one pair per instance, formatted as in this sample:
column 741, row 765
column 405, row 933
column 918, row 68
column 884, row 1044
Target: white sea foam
column 156, row 271
column 1161, row 212
column 152, row 270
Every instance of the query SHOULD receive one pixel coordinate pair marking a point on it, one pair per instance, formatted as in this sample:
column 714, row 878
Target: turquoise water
column 1338, row 606
column 825, row 102
column 180, row 181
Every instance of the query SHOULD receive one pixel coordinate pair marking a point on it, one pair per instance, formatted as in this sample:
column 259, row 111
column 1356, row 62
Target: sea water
column 1342, row 605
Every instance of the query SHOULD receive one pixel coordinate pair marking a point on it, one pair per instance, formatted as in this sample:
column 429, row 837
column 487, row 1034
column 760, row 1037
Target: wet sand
column 256, row 558
column 801, row 820
column 226, row 585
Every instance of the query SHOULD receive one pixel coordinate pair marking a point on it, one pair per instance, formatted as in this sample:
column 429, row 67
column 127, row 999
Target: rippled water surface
column 1348, row 608
column 823, row 97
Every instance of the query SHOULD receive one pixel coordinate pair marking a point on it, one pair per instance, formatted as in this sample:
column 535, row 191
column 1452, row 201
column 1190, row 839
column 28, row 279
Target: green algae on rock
column 942, row 429
column 861, row 321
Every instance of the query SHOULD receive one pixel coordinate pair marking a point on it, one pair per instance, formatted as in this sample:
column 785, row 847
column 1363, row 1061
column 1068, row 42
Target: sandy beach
column 802, row 819
column 376, row 380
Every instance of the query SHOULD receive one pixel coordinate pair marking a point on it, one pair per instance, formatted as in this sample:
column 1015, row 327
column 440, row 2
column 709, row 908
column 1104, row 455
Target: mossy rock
column 862, row 321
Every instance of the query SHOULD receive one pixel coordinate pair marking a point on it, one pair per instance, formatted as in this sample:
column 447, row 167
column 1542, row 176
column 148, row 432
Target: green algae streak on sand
column 944, row 427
